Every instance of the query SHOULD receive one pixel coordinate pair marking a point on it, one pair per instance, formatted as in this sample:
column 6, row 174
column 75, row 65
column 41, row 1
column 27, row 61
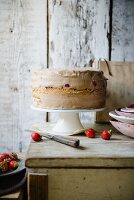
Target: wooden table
column 97, row 170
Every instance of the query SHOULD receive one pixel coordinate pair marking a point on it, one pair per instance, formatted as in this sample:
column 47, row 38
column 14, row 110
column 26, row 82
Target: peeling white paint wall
column 22, row 47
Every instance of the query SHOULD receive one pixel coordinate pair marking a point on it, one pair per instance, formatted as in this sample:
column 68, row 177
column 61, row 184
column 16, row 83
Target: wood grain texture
column 123, row 31
column 106, row 167
column 73, row 32
column 120, row 87
column 18, row 195
column 37, row 186
column 104, row 183
column 22, row 47
column 90, row 184
column 118, row 152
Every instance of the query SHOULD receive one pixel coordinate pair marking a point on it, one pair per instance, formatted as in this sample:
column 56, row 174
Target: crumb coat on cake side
column 68, row 89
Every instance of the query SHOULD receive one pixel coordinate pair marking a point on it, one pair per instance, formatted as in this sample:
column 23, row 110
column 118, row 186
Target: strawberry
column 36, row 136
column 4, row 156
column 7, row 160
column 3, row 166
column 13, row 156
column 90, row 133
column 13, row 164
column 106, row 134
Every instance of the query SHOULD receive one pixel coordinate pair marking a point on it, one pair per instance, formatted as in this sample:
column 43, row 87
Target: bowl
column 129, row 109
column 122, row 113
column 125, row 119
column 124, row 128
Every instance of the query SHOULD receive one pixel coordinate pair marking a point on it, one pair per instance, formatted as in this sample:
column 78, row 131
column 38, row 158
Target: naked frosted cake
column 78, row 88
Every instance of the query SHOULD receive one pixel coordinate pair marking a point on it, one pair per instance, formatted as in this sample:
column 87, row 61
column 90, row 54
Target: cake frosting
column 78, row 88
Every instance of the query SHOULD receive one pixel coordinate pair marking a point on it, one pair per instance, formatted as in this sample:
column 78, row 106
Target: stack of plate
column 123, row 120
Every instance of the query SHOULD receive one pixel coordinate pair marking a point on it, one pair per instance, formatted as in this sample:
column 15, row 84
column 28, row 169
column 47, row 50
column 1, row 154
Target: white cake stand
column 68, row 122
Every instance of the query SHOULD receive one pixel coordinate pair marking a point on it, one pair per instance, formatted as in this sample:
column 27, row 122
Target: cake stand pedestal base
column 68, row 122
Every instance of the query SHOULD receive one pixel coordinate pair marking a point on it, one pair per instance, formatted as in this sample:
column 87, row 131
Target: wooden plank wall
column 78, row 31
column 122, row 31
column 22, row 47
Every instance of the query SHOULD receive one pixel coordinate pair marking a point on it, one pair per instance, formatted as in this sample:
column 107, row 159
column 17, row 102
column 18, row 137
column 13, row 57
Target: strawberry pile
column 8, row 162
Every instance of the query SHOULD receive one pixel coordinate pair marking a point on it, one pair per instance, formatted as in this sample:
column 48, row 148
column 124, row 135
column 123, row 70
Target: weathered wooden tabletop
column 92, row 152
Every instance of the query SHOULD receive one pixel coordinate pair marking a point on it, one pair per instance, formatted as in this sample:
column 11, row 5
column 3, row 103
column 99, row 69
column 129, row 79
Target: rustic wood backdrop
column 53, row 33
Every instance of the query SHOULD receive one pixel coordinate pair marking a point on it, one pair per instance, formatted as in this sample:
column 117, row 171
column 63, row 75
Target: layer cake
column 78, row 88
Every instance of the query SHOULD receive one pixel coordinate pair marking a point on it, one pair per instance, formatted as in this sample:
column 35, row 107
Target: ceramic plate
column 20, row 168
column 128, row 110
column 121, row 113
column 124, row 128
column 125, row 119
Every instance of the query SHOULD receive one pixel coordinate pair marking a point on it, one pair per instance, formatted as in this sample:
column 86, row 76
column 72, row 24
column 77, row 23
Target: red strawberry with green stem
column 13, row 156
column 3, row 166
column 106, row 134
column 90, row 133
column 4, row 156
column 36, row 136
column 7, row 160
column 13, row 164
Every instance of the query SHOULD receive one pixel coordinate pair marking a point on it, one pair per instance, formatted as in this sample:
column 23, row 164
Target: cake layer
column 77, row 78
column 60, row 101
column 68, row 89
